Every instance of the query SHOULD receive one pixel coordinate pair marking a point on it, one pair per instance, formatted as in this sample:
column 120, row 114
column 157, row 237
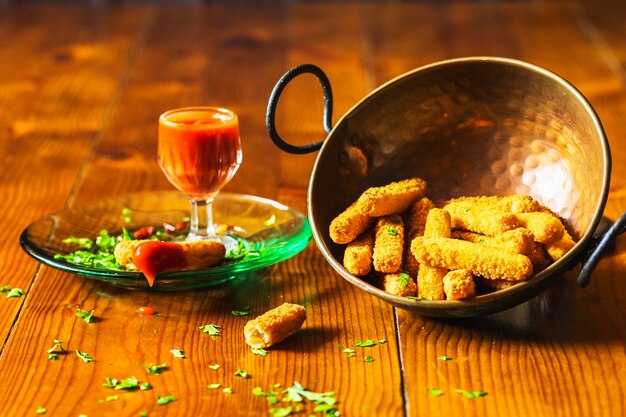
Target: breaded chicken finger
column 357, row 258
column 545, row 227
column 558, row 249
column 414, row 225
column 482, row 260
column 430, row 277
column 484, row 220
column 274, row 326
column 516, row 203
column 393, row 198
column 388, row 244
column 518, row 240
column 349, row 224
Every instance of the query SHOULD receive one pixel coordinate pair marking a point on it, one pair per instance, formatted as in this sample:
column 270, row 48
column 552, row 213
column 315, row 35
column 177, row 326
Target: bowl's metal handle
column 270, row 115
column 593, row 256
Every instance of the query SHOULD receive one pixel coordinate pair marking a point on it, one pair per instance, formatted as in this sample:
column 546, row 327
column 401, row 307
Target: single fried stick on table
column 486, row 261
column 392, row 198
column 274, row 326
column 349, row 224
column 430, row 277
column 388, row 244
column 459, row 284
column 357, row 257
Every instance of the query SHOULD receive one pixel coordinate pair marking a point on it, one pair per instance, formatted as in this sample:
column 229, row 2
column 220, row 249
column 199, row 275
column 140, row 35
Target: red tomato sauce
column 154, row 257
column 199, row 151
column 146, row 311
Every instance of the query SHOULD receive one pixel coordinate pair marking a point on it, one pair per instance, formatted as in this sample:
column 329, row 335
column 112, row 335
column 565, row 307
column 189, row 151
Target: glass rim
column 232, row 116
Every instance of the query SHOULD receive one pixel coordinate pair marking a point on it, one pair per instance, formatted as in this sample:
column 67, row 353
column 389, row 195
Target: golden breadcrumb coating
column 517, row 203
column 430, row 277
column 388, row 244
column 199, row 254
column 545, row 227
column 415, row 221
column 479, row 259
column 459, row 284
column 357, row 258
column 490, row 285
column 558, row 249
column 392, row 198
column 518, row 240
column 349, row 224
column 482, row 219
column 400, row 284
column 274, row 326
column 125, row 251
column 539, row 257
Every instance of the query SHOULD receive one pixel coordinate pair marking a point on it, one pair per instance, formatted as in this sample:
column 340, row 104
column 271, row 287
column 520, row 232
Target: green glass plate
column 271, row 231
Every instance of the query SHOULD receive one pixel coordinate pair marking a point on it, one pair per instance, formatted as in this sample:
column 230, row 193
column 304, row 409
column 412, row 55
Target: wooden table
column 81, row 88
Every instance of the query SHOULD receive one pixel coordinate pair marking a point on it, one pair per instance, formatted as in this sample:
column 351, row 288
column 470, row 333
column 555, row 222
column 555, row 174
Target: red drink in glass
column 199, row 149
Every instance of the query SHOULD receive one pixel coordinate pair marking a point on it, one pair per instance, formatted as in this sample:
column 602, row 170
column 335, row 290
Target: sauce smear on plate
column 155, row 257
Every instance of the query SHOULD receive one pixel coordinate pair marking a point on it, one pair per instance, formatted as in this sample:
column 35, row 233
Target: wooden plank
column 542, row 348
column 52, row 110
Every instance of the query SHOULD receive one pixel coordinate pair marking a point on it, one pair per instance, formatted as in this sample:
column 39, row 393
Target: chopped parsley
column 241, row 373
column 178, row 353
column 214, row 367
column 110, row 398
column 41, row 410
column 349, row 352
column 470, row 394
column 444, row 358
column 228, row 390
column 382, row 341
column 392, row 231
column 281, row 412
column 214, row 386
column 130, row 384
column 434, row 392
column 85, row 315
column 367, row 343
column 404, row 279
column 211, row 329
column 259, row 351
column 15, row 293
column 325, row 401
column 243, row 311
column 369, row 359
column 165, row 400
column 127, row 215
column 84, row 356
column 52, row 354
column 156, row 369
column 98, row 254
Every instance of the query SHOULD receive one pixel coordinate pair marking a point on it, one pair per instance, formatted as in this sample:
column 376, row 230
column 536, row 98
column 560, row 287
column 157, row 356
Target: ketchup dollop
column 154, row 257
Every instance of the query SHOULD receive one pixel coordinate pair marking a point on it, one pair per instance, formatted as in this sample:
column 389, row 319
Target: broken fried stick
column 274, row 326
column 400, row 284
column 545, row 227
column 392, row 198
column 489, row 262
column 198, row 254
column 349, row 224
column 357, row 258
column 388, row 244
column 430, row 277
column 459, row 284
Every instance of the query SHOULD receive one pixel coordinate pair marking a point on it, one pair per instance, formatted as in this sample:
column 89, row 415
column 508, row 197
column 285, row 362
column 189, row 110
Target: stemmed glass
column 199, row 151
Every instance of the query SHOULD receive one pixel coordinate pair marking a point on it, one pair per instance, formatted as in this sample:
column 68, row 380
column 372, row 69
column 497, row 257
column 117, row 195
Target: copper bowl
column 469, row 126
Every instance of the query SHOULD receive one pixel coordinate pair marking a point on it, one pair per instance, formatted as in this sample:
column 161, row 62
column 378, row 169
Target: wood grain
column 81, row 88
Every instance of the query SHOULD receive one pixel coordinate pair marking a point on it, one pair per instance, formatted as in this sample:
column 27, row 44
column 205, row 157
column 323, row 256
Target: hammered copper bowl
column 471, row 126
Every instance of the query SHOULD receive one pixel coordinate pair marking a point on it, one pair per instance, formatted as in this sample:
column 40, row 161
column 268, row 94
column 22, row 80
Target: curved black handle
column 270, row 115
column 588, row 264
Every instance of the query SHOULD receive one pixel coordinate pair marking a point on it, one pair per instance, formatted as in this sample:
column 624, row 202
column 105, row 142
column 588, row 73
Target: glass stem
column 201, row 221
